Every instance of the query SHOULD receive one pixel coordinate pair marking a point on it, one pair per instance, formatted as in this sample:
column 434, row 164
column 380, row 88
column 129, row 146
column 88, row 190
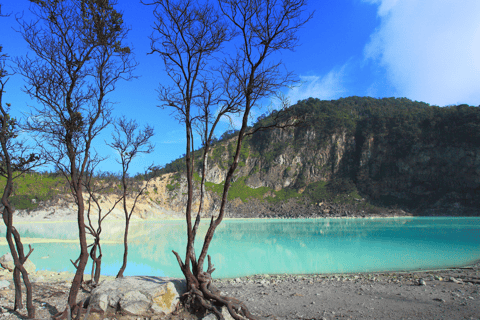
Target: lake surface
column 275, row 246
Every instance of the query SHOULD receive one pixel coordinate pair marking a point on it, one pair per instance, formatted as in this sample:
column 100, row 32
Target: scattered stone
column 422, row 282
column 438, row 299
column 458, row 281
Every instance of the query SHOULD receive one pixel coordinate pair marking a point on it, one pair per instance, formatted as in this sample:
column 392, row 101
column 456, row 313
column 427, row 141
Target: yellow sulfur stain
column 165, row 299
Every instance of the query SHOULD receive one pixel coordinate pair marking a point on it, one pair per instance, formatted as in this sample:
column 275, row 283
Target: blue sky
column 425, row 50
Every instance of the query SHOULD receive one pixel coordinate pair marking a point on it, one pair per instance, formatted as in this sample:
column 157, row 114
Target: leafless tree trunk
column 129, row 143
column 188, row 37
column 14, row 161
column 264, row 27
column 93, row 190
column 79, row 57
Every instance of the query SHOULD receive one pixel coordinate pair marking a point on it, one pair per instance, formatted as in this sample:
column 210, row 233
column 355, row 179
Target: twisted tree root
column 237, row 309
column 78, row 309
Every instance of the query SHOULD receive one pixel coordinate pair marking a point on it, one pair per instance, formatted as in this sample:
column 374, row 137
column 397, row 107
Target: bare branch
column 188, row 45
column 79, row 55
column 129, row 142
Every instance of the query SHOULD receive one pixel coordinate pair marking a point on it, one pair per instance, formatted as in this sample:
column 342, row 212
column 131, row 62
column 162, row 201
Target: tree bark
column 78, row 278
column 125, row 249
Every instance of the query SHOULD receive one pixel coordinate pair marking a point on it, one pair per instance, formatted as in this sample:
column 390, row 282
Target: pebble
column 452, row 279
column 4, row 284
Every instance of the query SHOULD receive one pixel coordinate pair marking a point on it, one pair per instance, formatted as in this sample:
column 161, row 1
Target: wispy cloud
column 325, row 87
column 173, row 137
column 429, row 48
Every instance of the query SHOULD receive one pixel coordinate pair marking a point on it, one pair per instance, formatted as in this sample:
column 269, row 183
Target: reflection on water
column 243, row 247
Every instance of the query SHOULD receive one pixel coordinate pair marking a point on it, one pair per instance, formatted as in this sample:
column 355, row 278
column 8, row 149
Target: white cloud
column 430, row 49
column 326, row 87
column 173, row 137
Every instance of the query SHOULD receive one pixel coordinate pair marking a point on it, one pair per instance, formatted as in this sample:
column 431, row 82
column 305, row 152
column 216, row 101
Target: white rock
column 135, row 303
column 138, row 295
column 103, row 302
column 4, row 284
column 6, row 261
column 458, row 281
column 225, row 314
column 7, row 257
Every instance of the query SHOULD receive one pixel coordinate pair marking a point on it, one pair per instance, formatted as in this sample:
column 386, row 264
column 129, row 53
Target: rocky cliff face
column 391, row 167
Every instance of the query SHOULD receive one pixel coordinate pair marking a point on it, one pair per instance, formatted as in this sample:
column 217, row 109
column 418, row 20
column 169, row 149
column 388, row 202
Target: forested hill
column 356, row 155
column 358, row 151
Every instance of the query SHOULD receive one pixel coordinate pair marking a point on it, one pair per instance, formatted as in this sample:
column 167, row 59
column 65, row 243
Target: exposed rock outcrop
column 137, row 296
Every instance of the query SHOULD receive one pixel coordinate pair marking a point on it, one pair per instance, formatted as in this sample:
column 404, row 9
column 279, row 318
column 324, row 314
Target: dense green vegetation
column 396, row 120
column 397, row 124
column 31, row 188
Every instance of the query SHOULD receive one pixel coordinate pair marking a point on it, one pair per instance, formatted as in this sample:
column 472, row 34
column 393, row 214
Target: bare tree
column 79, row 55
column 262, row 27
column 16, row 159
column 129, row 144
column 188, row 36
column 93, row 188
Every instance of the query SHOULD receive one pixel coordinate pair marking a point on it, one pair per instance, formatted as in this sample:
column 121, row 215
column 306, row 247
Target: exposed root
column 237, row 309
column 195, row 301
column 77, row 310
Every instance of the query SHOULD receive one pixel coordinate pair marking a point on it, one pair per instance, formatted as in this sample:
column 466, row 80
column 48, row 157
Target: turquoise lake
column 274, row 246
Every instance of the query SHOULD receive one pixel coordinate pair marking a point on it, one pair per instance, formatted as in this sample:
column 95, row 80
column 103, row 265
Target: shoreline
column 453, row 293
column 23, row 220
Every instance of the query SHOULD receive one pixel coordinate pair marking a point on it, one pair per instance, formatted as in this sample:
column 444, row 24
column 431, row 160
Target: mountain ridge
column 393, row 152
column 355, row 156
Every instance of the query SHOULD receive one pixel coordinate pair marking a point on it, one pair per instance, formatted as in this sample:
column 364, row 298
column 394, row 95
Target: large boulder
column 137, row 296
column 6, row 261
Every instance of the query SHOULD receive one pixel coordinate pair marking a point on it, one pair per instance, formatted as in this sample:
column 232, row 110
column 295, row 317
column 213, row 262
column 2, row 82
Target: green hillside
column 398, row 127
column 356, row 151
column 36, row 186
